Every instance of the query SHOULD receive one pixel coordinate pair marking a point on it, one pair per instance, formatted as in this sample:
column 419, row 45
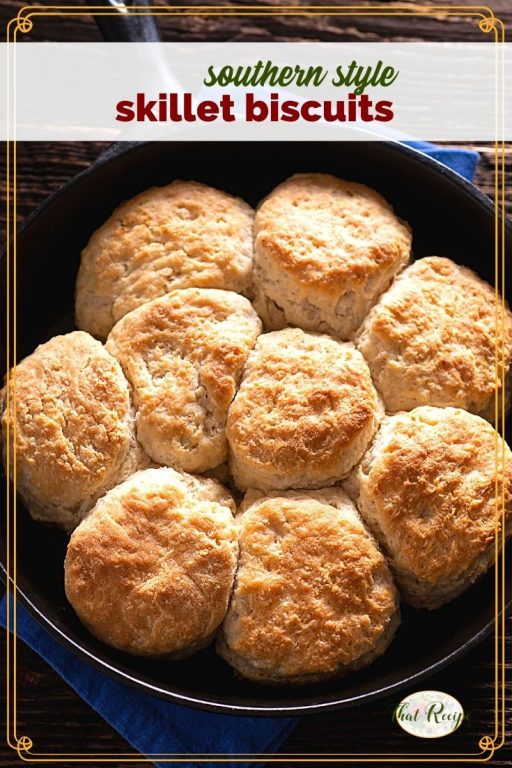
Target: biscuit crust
column 304, row 414
column 181, row 235
column 183, row 355
column 325, row 249
column 313, row 595
column 68, row 415
column 150, row 569
column 427, row 490
column 431, row 340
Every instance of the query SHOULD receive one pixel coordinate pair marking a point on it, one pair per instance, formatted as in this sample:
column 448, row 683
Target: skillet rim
column 331, row 701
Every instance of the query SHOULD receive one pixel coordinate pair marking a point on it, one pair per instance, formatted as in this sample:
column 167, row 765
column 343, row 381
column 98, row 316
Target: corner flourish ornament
column 23, row 23
column 487, row 744
column 488, row 24
column 23, row 744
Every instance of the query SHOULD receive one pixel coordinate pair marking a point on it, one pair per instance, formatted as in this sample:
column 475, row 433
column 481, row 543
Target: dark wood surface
column 54, row 717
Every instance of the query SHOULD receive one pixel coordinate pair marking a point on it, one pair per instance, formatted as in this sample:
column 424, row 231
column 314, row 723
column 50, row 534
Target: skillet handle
column 125, row 27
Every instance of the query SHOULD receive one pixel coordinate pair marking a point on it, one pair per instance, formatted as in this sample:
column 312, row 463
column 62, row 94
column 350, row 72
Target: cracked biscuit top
column 184, row 234
column 313, row 595
column 325, row 249
column 434, row 487
column 151, row 568
column 183, row 354
column 436, row 338
column 304, row 414
column 68, row 417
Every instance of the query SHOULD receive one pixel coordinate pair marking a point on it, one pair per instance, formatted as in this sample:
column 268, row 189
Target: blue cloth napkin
column 158, row 728
column 153, row 726
column 463, row 161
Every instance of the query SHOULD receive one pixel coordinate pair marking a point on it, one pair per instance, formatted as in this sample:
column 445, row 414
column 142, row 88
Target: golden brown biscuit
column 181, row 235
column 304, row 414
column 67, row 413
column 151, row 568
column 427, row 490
column 431, row 340
column 183, row 355
column 325, row 249
column 313, row 595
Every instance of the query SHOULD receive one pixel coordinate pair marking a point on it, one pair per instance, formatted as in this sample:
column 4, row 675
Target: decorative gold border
column 488, row 22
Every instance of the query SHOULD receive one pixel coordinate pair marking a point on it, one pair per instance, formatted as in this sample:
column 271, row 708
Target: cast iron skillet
column 448, row 217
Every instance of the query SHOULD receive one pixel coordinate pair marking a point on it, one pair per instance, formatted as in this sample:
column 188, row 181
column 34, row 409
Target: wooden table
column 49, row 711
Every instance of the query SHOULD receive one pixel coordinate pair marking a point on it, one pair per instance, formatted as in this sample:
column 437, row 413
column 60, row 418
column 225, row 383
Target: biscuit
column 313, row 596
column 431, row 340
column 183, row 355
column 150, row 570
column 427, row 490
column 67, row 413
column 304, row 414
column 181, row 235
column 325, row 249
